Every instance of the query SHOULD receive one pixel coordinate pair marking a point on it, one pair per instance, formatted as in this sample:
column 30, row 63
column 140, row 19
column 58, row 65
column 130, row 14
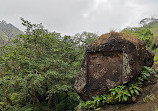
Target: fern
column 122, row 93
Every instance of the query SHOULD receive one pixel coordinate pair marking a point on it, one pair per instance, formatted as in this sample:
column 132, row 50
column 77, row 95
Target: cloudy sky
column 73, row 16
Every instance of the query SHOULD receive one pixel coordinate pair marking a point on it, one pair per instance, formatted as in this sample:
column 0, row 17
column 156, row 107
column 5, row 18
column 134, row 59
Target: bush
column 123, row 93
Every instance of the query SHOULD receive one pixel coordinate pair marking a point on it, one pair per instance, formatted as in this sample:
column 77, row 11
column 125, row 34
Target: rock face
column 113, row 59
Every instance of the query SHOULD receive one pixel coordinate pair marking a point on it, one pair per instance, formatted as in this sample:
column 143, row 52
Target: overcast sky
column 74, row 16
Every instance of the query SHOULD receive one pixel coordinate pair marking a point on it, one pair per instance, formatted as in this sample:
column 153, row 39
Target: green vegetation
column 123, row 93
column 38, row 70
column 142, row 33
column 149, row 98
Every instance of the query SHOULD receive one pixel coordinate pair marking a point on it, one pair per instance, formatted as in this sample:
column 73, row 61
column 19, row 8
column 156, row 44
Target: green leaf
column 137, row 93
column 131, row 91
column 125, row 98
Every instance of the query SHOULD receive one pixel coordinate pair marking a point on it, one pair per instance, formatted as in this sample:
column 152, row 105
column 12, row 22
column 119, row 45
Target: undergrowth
column 123, row 93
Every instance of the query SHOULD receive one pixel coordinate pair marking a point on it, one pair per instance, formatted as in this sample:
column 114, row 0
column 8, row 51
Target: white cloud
column 73, row 16
column 94, row 7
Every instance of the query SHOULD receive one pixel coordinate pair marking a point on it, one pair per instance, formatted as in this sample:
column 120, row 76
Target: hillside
column 8, row 32
column 154, row 29
column 150, row 24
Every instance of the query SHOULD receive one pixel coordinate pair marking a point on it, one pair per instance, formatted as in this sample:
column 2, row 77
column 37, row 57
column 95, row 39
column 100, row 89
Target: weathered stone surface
column 111, row 60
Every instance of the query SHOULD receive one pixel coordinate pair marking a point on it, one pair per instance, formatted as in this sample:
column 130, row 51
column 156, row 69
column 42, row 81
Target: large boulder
column 113, row 59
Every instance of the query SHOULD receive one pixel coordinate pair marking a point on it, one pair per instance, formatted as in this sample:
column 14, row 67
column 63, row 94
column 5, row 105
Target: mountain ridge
column 8, row 32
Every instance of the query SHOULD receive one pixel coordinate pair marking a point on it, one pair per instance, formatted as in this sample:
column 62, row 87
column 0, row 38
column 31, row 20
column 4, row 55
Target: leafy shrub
column 122, row 93
column 144, row 34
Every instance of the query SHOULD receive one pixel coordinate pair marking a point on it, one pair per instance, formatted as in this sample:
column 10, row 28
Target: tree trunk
column 49, row 102
column 34, row 100
column 9, row 102
column 38, row 103
column 34, row 97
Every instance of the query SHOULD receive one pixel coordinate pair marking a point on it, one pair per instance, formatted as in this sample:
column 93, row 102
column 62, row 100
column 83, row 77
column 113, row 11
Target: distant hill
column 146, row 23
column 154, row 29
column 8, row 32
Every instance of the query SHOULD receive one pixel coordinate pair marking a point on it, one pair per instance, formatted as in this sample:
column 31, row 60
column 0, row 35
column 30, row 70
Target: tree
column 39, row 64
column 85, row 38
column 142, row 33
column 38, row 69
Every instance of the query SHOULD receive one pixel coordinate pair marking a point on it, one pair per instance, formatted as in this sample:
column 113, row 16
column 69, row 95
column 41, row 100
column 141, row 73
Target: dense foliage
column 123, row 93
column 38, row 70
column 142, row 33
